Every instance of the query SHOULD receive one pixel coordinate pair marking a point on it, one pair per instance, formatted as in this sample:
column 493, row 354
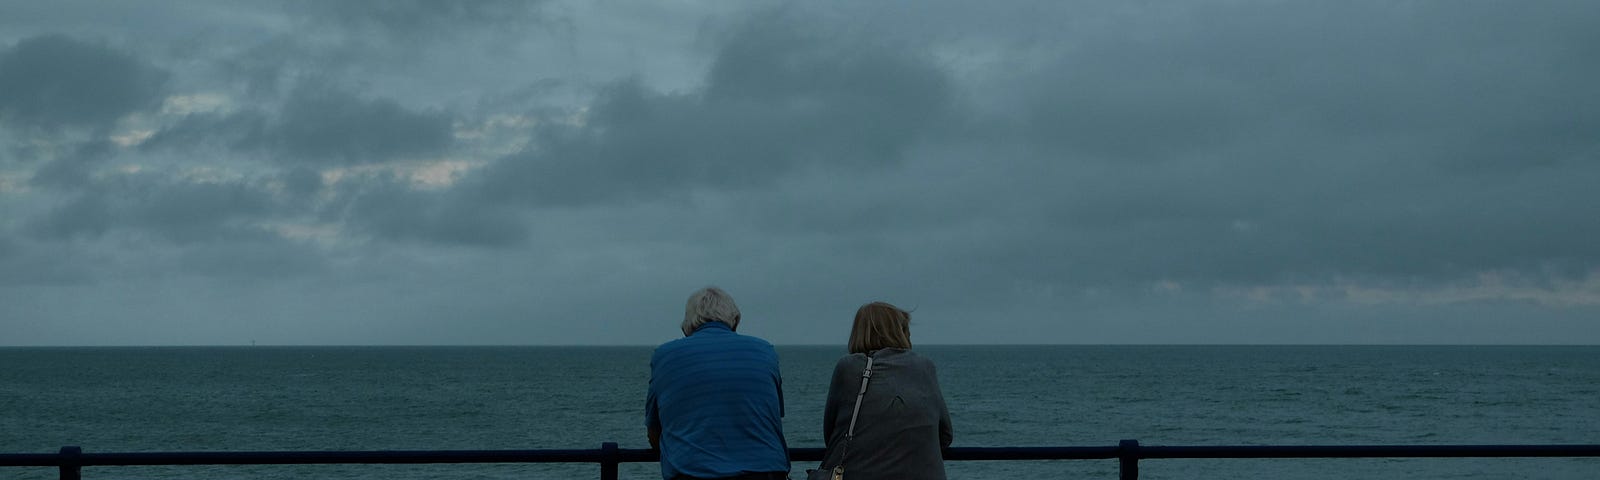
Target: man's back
column 717, row 399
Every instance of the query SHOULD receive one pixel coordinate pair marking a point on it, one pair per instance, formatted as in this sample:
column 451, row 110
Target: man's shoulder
column 713, row 342
column 669, row 348
column 672, row 344
column 754, row 340
column 742, row 346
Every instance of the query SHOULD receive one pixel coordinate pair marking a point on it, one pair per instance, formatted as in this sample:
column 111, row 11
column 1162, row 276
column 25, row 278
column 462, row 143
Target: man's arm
column 652, row 412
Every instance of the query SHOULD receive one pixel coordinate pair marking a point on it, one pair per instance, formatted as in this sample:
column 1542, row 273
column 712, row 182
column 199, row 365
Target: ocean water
column 398, row 398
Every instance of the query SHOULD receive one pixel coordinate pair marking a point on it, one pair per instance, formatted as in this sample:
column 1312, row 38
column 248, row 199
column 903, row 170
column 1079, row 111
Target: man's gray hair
column 709, row 304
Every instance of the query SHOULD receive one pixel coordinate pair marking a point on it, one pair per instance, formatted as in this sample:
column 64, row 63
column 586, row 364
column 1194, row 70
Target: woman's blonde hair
column 880, row 325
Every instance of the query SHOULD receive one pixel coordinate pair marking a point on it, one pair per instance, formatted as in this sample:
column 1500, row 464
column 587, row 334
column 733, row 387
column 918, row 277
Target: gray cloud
column 74, row 169
column 263, row 258
column 776, row 99
column 416, row 20
column 1259, row 144
column 1228, row 172
column 317, row 124
column 388, row 208
column 243, row 131
column 53, row 81
column 159, row 224
column 266, row 68
column 301, row 182
column 27, row 263
column 379, row 39
column 174, row 210
column 1464, row 85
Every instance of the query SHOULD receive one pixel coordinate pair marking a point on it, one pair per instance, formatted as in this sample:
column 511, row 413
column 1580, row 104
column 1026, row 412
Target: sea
column 472, row 398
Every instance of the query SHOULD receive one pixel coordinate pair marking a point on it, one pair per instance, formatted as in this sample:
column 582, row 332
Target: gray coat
column 903, row 422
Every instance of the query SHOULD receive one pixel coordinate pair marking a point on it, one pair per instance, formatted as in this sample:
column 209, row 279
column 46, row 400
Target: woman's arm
column 946, row 434
column 830, row 410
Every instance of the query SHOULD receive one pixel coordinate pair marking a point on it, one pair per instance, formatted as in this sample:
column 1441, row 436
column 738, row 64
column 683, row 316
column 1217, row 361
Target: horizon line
column 630, row 345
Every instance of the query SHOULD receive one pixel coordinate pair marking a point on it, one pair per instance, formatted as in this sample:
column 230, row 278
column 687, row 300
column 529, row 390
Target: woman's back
column 903, row 422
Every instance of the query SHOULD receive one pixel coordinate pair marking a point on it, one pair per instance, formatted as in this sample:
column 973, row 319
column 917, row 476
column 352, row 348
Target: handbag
column 837, row 472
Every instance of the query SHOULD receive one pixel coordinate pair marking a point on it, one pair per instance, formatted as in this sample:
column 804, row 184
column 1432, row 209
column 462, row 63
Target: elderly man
column 715, row 407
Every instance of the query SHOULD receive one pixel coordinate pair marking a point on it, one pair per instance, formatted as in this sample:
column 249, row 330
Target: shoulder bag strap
column 866, row 373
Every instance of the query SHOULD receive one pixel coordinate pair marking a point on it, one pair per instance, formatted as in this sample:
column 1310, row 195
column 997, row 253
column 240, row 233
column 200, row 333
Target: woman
column 902, row 424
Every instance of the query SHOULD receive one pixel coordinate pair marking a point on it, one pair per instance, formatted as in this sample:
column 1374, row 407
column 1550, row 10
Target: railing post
column 608, row 461
column 1128, row 458
column 71, row 464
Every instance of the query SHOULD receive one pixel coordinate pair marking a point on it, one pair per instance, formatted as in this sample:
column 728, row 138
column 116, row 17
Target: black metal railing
column 71, row 460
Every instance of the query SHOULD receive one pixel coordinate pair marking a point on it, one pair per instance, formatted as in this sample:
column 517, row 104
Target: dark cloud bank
column 55, row 81
column 1363, row 172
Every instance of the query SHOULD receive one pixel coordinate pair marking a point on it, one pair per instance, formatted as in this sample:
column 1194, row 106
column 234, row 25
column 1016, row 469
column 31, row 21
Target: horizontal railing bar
column 1367, row 451
column 795, row 454
column 1030, row 453
column 337, row 457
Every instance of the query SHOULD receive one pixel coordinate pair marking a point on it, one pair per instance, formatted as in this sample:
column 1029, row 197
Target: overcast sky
column 515, row 172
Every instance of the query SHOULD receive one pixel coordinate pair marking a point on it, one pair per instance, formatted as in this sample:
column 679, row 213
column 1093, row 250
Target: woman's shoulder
column 854, row 357
column 850, row 360
column 901, row 359
column 887, row 356
column 904, row 355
